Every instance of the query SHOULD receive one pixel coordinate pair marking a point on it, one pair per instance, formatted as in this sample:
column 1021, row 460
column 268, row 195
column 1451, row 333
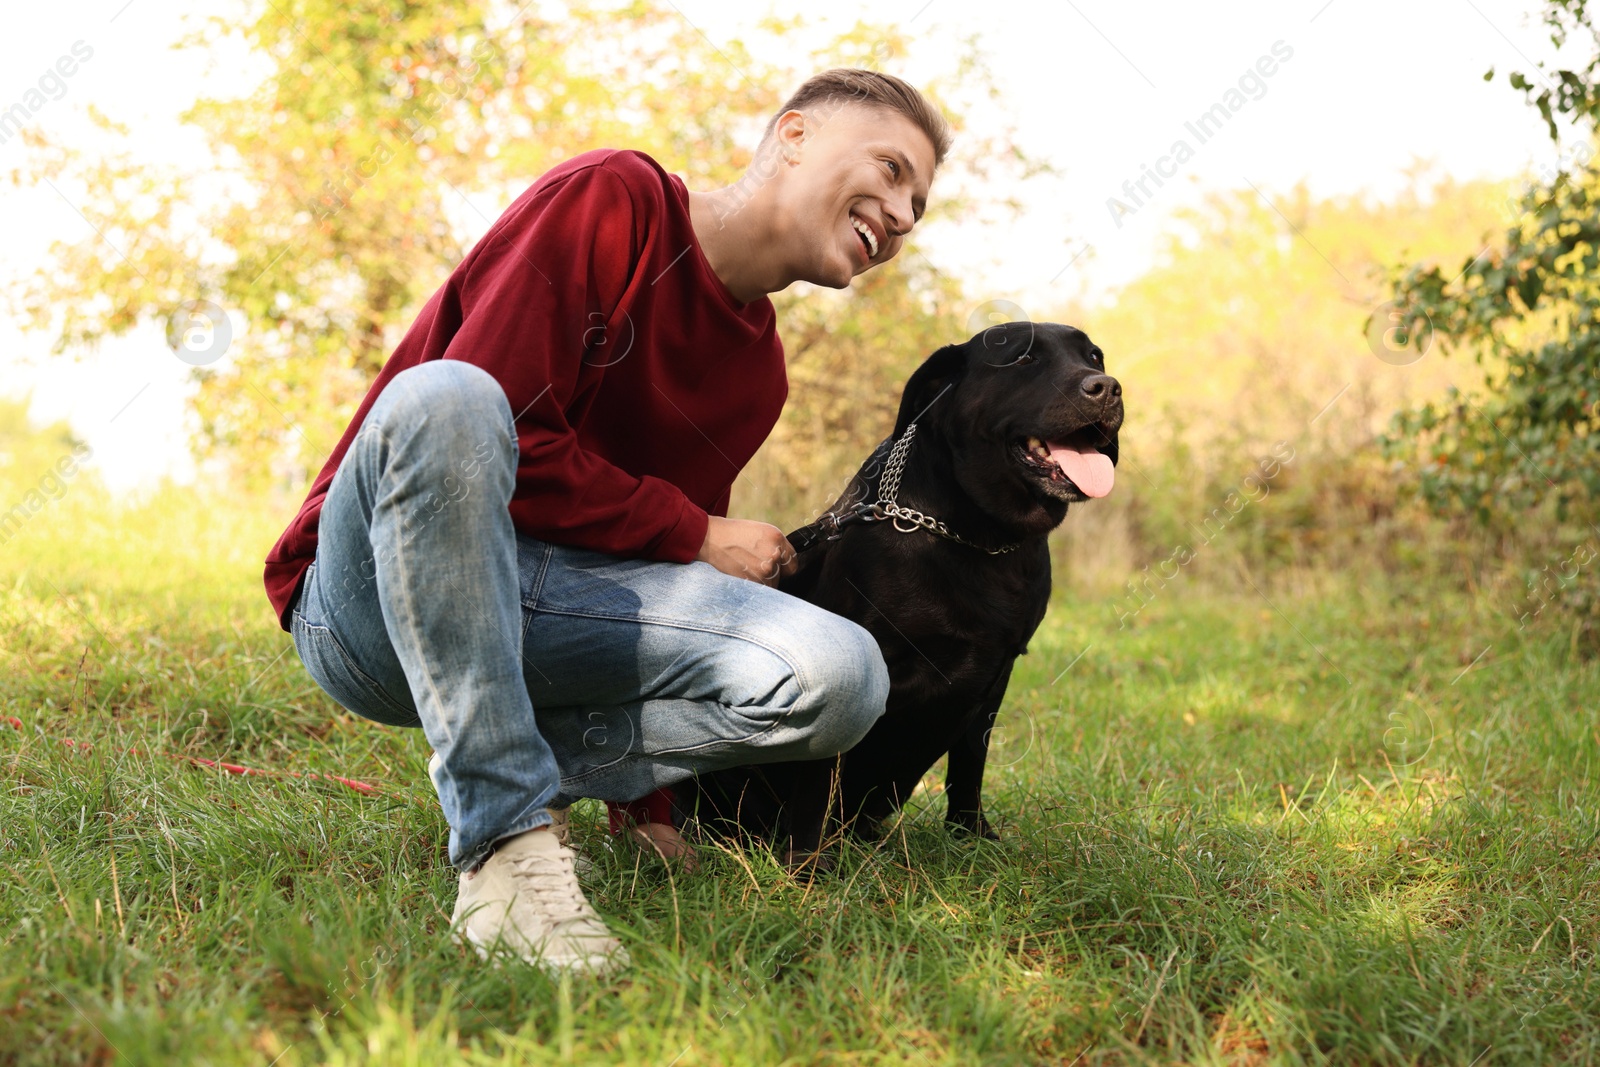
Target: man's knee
column 847, row 684
column 456, row 411
column 444, row 392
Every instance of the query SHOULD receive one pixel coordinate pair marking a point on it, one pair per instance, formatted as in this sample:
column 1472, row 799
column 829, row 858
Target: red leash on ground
column 234, row 768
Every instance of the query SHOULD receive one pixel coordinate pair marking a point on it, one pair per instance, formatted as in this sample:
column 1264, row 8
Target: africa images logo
column 1252, row 85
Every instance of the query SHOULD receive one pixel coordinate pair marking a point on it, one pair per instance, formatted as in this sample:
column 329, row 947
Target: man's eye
column 894, row 168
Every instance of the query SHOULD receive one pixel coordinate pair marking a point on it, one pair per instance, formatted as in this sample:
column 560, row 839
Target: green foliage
column 1248, row 334
column 1525, row 307
column 1574, row 93
column 1252, row 319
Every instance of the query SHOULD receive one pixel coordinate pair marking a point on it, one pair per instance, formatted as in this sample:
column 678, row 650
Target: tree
column 384, row 131
column 1526, row 308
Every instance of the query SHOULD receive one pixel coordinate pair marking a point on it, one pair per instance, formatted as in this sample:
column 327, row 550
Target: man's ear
column 791, row 134
column 940, row 371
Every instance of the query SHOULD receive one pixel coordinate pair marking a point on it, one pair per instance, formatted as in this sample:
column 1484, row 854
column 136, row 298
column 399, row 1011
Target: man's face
column 858, row 184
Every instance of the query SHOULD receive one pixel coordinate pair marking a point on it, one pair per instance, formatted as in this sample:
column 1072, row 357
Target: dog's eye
column 1021, row 361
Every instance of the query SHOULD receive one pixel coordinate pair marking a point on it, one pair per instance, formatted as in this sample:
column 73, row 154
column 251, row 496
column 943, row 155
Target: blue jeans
column 539, row 672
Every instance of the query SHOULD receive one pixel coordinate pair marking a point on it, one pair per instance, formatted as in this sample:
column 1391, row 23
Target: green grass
column 1235, row 832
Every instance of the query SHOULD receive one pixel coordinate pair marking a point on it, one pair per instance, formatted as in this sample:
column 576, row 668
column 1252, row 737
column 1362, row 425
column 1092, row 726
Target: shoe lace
column 553, row 883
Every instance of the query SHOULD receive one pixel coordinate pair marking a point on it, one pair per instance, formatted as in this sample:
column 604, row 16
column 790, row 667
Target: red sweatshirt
column 639, row 384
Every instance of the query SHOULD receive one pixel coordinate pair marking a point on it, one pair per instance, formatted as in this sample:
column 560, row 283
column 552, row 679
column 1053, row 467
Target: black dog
column 938, row 548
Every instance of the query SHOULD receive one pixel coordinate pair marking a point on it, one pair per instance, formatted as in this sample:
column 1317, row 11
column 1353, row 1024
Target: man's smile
column 869, row 235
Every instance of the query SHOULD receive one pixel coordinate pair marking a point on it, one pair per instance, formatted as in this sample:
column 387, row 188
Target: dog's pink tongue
column 1089, row 470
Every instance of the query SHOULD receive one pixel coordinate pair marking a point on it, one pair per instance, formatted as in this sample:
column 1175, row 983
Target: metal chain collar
column 887, row 508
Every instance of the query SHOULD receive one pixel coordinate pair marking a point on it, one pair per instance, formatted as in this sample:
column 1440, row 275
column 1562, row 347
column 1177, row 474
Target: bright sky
column 1359, row 90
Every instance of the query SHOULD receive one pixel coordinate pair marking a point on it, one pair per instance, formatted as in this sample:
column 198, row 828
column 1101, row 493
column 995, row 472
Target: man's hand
column 745, row 549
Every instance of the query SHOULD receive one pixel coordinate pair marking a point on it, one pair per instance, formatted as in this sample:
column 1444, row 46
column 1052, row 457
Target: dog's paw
column 971, row 824
column 805, row 866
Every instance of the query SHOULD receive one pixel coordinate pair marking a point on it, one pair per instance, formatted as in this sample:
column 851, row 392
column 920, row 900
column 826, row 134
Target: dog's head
column 1029, row 416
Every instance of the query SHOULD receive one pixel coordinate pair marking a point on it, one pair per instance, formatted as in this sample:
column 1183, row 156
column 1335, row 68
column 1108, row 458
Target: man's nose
column 898, row 218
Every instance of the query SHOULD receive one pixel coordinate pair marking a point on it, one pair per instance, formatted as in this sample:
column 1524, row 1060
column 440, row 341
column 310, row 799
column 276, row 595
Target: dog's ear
column 940, row 371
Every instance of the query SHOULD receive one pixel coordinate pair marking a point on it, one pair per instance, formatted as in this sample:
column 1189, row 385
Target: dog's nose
column 1101, row 387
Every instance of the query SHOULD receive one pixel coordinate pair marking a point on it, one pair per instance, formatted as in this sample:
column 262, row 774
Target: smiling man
column 520, row 543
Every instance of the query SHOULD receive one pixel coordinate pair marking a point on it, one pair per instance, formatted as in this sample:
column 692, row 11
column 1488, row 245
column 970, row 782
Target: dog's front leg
column 805, row 814
column 963, row 781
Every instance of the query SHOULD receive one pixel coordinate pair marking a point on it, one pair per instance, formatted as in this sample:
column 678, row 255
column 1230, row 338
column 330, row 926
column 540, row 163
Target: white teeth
column 1037, row 447
column 866, row 231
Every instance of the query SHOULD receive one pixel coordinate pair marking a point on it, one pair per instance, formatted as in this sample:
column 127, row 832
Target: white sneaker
column 526, row 898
